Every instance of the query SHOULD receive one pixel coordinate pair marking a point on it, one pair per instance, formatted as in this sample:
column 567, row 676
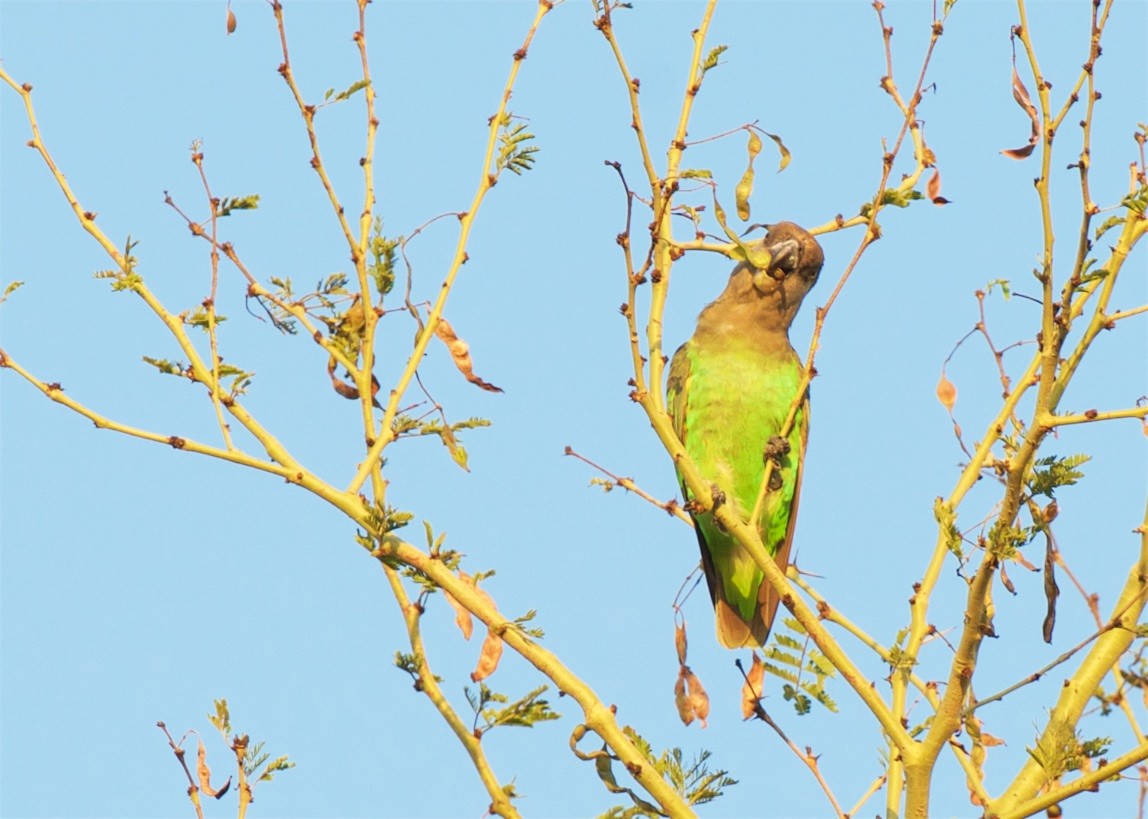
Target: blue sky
column 138, row 583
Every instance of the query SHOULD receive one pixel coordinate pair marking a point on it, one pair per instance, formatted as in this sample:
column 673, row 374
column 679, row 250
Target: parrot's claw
column 776, row 448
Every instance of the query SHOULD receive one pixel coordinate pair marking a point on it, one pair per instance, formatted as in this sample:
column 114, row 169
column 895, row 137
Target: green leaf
column 525, row 712
column 164, row 366
column 227, row 205
column 202, row 319
column 222, row 718
column 804, row 673
column 515, row 154
column 1003, row 284
column 1106, row 225
column 9, row 290
column 711, row 60
column 1052, row 472
column 354, row 88
column 1004, row 540
column 1137, row 202
column 786, row 156
column 382, row 268
column 946, row 519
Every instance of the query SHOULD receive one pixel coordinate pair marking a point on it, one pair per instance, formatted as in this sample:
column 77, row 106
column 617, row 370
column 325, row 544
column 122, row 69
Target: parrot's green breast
column 728, row 397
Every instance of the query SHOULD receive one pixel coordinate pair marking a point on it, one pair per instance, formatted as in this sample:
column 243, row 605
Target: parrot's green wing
column 727, row 402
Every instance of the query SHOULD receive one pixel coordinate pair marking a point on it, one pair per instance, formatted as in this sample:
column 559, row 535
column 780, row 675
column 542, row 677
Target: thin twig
column 671, row 506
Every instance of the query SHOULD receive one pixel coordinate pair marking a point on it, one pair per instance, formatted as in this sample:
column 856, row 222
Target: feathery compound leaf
column 1053, row 472
column 525, row 712
column 354, row 88
column 227, row 205
column 201, row 319
column 382, row 268
column 810, row 670
column 515, row 154
column 1137, row 202
column 711, row 60
column 164, row 366
column 222, row 718
column 946, row 519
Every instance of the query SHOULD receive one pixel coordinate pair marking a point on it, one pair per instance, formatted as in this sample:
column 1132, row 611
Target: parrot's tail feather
column 734, row 632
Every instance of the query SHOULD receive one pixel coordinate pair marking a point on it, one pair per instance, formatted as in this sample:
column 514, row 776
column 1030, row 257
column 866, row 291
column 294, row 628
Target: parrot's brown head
column 768, row 297
column 793, row 251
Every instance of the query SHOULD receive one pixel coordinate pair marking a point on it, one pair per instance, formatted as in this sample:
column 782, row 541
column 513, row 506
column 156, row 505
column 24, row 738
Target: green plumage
column 730, row 388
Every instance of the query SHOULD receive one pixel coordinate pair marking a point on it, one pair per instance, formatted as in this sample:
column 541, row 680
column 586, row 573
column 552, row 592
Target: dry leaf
column 682, row 700
column 204, row 774
column 462, row 617
column 946, row 392
column 460, row 352
column 488, row 659
column 1023, row 561
column 680, row 642
column 1020, row 94
column 933, row 189
column 230, row 20
column 457, row 451
column 1008, row 584
column 751, row 689
column 699, row 699
column 481, row 592
column 350, row 391
column 1020, row 153
column 1051, row 592
column 785, row 155
column 745, row 187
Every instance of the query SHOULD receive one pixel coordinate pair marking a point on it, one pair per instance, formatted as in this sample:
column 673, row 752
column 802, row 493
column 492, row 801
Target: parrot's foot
column 776, row 448
column 718, row 495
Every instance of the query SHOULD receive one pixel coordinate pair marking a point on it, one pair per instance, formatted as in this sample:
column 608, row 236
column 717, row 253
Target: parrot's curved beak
column 785, row 257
